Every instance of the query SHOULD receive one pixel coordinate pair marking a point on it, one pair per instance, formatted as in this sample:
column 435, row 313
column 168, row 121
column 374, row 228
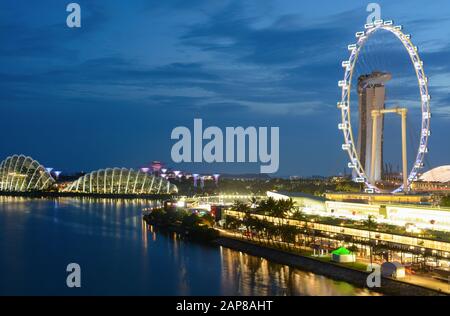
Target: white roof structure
column 438, row 174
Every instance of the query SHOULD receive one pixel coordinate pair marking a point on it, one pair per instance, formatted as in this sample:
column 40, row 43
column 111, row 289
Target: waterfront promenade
column 411, row 285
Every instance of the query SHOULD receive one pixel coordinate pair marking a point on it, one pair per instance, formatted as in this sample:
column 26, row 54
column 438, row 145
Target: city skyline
column 234, row 150
column 94, row 97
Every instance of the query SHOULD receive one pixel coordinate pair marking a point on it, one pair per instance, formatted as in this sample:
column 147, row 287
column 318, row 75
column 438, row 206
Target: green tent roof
column 341, row 251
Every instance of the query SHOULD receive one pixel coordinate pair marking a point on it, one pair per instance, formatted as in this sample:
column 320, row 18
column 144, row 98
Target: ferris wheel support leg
column 374, row 146
column 404, row 153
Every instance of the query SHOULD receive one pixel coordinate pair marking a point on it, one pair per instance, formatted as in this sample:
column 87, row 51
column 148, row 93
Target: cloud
column 110, row 77
column 47, row 40
column 229, row 31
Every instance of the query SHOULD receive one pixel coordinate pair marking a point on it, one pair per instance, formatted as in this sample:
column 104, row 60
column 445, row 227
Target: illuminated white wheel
column 344, row 105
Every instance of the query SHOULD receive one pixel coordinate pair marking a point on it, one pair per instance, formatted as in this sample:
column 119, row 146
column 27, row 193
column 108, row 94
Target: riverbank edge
column 54, row 194
column 328, row 269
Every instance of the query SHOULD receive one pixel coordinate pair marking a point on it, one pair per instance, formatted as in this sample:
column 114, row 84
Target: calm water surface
column 120, row 255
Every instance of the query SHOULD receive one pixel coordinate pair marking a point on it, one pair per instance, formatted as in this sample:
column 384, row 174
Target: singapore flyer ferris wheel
column 365, row 155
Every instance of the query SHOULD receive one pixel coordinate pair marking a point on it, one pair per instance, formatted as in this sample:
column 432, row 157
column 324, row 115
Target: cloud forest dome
column 19, row 173
column 121, row 181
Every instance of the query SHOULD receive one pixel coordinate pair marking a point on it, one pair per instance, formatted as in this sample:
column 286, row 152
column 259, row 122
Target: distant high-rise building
column 156, row 167
column 371, row 95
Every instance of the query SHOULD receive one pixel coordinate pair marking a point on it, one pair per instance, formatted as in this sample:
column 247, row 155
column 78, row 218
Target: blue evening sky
column 109, row 93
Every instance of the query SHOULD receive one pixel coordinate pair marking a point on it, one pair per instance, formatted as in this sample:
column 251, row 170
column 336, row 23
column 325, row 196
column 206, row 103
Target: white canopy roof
column 438, row 174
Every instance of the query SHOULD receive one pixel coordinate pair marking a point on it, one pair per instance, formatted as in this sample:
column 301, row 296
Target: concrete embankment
column 333, row 271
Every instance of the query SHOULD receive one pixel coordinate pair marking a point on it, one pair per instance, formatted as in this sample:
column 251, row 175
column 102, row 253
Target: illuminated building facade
column 156, row 167
column 302, row 200
column 380, row 198
column 430, row 186
column 434, row 180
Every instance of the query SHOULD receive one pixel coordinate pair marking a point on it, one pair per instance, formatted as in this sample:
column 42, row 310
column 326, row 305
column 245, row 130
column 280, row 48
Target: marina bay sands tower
column 371, row 94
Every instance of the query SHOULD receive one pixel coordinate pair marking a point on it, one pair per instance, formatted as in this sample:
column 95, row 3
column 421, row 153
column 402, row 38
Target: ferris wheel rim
column 344, row 104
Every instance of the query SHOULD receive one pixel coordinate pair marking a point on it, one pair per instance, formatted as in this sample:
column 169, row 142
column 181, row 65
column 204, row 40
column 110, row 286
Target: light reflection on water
column 251, row 275
column 120, row 255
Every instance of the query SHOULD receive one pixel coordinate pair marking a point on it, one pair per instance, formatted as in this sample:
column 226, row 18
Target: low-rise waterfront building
column 302, row 200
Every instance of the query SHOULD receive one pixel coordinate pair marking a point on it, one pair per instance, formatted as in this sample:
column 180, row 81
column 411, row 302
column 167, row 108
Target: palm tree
column 288, row 205
column 298, row 215
column 247, row 222
column 239, row 206
column 270, row 229
column 267, row 230
column 369, row 224
column 289, row 233
column 278, row 210
column 266, row 206
column 253, row 201
column 257, row 227
column 232, row 222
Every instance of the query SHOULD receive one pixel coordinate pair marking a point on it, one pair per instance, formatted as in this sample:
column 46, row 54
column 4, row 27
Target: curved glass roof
column 438, row 174
column 121, row 181
column 21, row 173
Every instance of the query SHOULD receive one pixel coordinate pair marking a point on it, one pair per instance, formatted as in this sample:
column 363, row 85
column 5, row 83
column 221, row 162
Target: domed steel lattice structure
column 121, row 181
column 20, row 173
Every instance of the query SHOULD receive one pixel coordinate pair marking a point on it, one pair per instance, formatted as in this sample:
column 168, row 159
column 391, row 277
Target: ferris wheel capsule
column 346, row 146
column 342, row 84
column 342, row 126
column 342, row 105
column 346, row 63
column 423, row 149
column 360, row 180
column 426, row 97
column 378, row 22
column 351, row 47
column 418, row 65
column 413, row 49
